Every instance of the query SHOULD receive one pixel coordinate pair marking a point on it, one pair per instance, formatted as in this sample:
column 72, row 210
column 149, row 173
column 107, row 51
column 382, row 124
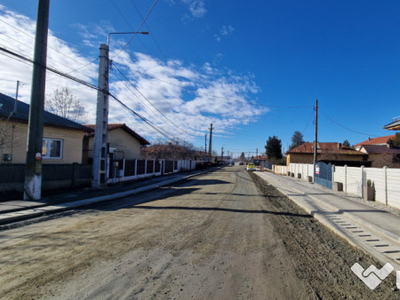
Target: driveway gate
column 323, row 174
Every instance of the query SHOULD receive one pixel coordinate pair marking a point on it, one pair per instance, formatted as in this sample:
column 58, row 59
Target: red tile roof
column 377, row 141
column 308, row 148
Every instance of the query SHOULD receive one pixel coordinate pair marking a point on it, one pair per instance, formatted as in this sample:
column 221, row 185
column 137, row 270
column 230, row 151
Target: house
column 382, row 155
column 379, row 141
column 334, row 153
column 123, row 141
column 62, row 138
column 394, row 125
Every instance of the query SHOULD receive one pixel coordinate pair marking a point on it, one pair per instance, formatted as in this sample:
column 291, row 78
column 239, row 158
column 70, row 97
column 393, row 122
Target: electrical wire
column 148, row 29
column 161, row 113
column 129, row 88
column 21, row 57
column 25, row 60
column 32, row 37
column 138, row 29
column 140, row 117
column 344, row 127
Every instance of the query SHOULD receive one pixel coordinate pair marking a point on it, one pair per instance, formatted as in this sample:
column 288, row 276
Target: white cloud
column 225, row 30
column 179, row 101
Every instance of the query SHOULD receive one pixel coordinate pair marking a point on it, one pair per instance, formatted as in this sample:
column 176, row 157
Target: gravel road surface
column 223, row 235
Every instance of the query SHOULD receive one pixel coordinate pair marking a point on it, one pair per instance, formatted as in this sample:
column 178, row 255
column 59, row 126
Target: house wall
column 300, row 158
column 126, row 145
column 17, row 133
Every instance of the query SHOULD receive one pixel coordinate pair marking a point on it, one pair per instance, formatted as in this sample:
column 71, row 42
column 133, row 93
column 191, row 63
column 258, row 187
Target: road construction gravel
column 223, row 235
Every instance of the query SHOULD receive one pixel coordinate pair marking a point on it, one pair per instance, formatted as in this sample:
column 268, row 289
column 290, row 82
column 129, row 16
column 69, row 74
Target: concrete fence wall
column 279, row 170
column 385, row 180
column 302, row 171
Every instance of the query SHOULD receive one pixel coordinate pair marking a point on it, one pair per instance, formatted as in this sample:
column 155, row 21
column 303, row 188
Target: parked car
column 250, row 167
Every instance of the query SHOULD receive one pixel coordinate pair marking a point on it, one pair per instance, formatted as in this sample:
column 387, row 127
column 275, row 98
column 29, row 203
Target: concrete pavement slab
column 373, row 230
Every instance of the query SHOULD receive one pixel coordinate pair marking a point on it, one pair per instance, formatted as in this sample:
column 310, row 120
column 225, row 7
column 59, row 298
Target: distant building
column 379, row 141
column 334, row 153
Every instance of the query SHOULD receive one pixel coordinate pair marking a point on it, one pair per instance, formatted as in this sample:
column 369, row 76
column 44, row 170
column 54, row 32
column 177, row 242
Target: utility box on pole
column 100, row 156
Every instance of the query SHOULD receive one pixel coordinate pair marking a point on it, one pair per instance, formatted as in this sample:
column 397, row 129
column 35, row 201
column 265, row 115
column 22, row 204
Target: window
column 52, row 148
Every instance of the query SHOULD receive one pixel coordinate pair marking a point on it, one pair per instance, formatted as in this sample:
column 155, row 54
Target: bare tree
column 64, row 104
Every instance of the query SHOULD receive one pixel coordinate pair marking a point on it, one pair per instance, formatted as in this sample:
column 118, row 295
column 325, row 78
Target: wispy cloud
column 178, row 100
column 225, row 30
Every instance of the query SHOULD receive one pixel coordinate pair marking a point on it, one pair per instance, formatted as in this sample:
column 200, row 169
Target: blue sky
column 252, row 68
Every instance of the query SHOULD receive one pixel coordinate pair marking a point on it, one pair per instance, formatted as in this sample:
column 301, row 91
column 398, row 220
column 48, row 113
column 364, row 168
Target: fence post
column 362, row 181
column 135, row 168
column 345, row 178
column 386, row 185
column 123, row 167
column 75, row 174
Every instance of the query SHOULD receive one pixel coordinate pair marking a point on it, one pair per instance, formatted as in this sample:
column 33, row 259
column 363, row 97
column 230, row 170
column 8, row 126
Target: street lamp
column 132, row 32
column 100, row 154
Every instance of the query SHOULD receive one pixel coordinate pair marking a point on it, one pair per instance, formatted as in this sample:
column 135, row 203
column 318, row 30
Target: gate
column 323, row 174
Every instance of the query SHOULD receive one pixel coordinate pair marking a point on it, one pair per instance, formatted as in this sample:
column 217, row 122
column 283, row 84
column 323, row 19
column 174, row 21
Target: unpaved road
column 223, row 235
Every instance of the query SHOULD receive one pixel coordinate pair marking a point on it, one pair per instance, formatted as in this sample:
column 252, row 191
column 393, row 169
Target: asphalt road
column 216, row 236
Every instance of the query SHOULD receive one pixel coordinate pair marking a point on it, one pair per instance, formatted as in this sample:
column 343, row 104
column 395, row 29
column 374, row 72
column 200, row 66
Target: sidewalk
column 372, row 229
column 17, row 210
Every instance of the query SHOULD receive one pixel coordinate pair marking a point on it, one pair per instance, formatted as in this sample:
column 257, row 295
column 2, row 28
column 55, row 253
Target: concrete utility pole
column 100, row 155
column 205, row 145
column 316, row 135
column 33, row 172
column 210, row 143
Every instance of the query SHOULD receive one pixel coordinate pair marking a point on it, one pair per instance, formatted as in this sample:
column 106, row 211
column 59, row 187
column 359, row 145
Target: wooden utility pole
column 316, row 135
column 33, row 171
column 210, row 143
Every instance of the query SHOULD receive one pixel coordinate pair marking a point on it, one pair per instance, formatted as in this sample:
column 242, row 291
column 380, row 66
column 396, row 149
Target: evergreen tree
column 274, row 148
column 297, row 140
column 346, row 143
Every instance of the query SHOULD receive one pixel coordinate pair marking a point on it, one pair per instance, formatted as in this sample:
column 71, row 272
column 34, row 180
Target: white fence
column 386, row 181
column 177, row 166
column 279, row 170
column 301, row 171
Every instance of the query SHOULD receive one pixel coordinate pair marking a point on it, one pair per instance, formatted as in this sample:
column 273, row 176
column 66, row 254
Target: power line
column 16, row 55
column 138, row 29
column 131, row 83
column 148, row 29
column 344, row 127
column 32, row 37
